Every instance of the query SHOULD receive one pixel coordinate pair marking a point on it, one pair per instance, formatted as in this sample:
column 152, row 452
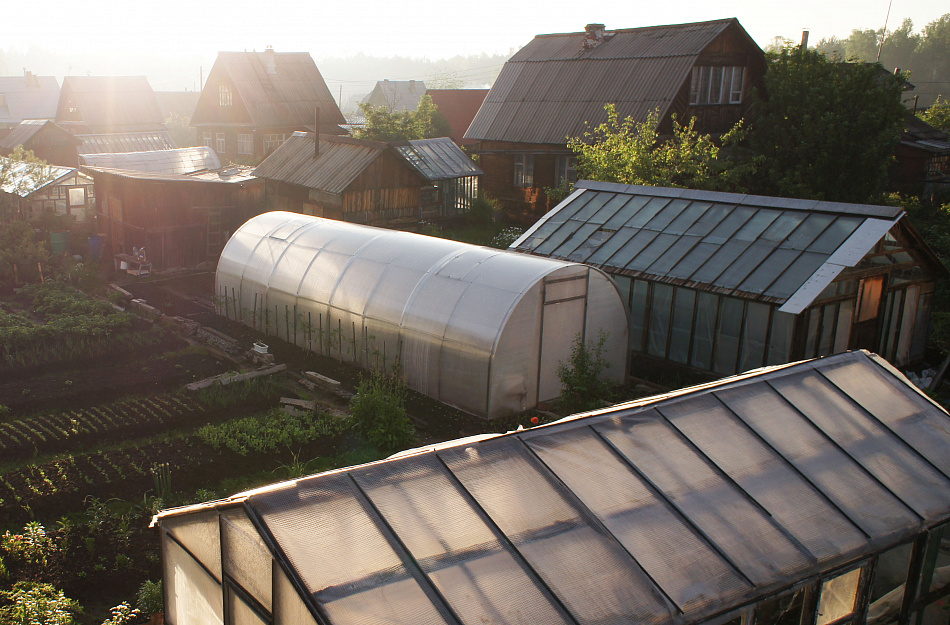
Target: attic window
column 224, row 95
column 716, row 85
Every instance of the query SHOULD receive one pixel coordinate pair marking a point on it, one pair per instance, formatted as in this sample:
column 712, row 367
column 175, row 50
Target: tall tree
column 386, row 125
column 826, row 130
column 937, row 115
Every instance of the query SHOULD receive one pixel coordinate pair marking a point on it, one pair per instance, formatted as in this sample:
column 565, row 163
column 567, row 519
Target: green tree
column 386, row 125
column 632, row 152
column 20, row 252
column 937, row 115
column 827, row 130
column 20, row 174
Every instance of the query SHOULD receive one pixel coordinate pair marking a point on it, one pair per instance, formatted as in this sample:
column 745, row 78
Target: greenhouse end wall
column 477, row 328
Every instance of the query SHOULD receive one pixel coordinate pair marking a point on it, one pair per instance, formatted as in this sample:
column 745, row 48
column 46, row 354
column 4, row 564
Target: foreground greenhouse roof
column 771, row 249
column 671, row 509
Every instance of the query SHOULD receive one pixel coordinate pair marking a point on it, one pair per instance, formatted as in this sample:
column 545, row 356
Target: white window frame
column 208, row 138
column 273, row 141
column 220, row 143
column 245, row 144
column 715, row 84
column 224, row 96
column 524, row 170
column 566, row 168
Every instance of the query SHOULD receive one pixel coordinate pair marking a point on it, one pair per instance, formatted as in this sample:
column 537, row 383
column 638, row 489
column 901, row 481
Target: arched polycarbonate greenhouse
column 477, row 328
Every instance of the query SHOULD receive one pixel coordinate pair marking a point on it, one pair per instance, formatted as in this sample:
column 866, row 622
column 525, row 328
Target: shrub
column 506, row 237
column 149, row 598
column 122, row 614
column 32, row 603
column 379, row 412
column 582, row 384
column 267, row 432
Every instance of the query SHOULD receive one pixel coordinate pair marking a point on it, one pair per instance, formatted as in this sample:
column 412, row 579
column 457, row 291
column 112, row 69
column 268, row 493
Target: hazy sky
column 433, row 29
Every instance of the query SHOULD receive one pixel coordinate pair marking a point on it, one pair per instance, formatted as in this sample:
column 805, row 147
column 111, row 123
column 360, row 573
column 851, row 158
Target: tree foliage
column 383, row 124
column 583, row 386
column 20, row 252
column 827, row 130
column 20, row 173
column 937, row 115
column 631, row 152
column 379, row 412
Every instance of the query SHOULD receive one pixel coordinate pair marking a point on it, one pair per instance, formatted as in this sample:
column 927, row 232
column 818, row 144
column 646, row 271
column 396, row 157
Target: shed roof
column 177, row 161
column 438, row 159
column 279, row 89
column 666, row 510
column 28, row 97
column 341, row 160
column 109, row 102
column 28, row 128
column 554, row 85
column 778, row 250
column 126, row 142
column 224, row 175
column 397, row 95
column 24, row 179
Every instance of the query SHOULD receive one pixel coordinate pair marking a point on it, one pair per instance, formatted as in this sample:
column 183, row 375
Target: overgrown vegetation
column 937, row 115
column 389, row 124
column 583, row 385
column 269, row 431
column 379, row 412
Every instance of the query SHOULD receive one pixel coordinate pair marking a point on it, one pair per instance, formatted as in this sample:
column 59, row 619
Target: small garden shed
column 811, row 494
column 31, row 192
column 728, row 282
column 452, row 173
column 477, row 328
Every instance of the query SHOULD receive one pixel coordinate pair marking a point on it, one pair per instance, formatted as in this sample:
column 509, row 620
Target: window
column 524, row 170
column 716, row 85
column 245, row 144
column 224, row 95
column 272, row 142
column 839, row 596
column 77, row 196
column 219, row 143
column 566, row 169
column 208, row 139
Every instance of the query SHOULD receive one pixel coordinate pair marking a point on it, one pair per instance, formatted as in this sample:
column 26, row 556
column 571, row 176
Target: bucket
column 95, row 246
column 59, row 242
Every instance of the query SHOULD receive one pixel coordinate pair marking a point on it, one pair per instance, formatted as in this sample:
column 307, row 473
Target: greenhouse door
column 562, row 320
column 864, row 331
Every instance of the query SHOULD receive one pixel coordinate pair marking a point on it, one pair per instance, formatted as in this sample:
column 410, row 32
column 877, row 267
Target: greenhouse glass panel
column 688, row 569
column 744, row 264
column 638, row 310
column 289, row 608
column 922, row 325
column 595, row 204
column 795, row 274
column 660, row 308
column 728, row 335
column 577, row 239
column 589, row 246
column 782, row 610
column 591, row 574
column 707, row 305
column 684, row 301
column 783, row 226
column 192, row 596
column 901, row 471
column 571, row 209
column 839, row 596
column 756, row 225
column 651, row 252
column 756, row 328
column 609, row 209
column 935, row 574
column 200, row 535
column 811, row 337
column 889, row 582
column 911, row 296
column 794, row 503
column 688, row 218
column 720, row 510
column 693, row 260
column 808, row 231
column 482, row 579
column 624, row 284
column 625, row 214
column 710, row 219
column 729, row 226
column 770, row 269
column 780, row 338
column 843, row 331
column 666, row 216
column 246, row 557
column 829, row 314
column 721, row 260
column 817, row 458
column 903, row 413
column 836, row 234
column 561, row 235
column 648, row 212
column 673, row 255
column 603, row 255
column 634, row 246
column 239, row 613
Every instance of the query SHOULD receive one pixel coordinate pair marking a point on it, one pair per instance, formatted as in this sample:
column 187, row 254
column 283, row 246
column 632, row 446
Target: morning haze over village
column 520, row 313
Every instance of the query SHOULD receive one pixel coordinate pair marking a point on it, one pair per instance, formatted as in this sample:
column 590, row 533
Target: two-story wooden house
column 556, row 87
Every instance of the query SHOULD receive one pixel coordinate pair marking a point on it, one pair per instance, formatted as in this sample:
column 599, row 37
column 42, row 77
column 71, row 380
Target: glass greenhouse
column 725, row 282
column 809, row 494
column 477, row 328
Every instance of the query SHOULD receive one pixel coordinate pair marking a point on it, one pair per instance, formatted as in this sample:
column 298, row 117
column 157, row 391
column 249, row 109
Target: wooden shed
column 354, row 180
column 180, row 220
column 45, row 139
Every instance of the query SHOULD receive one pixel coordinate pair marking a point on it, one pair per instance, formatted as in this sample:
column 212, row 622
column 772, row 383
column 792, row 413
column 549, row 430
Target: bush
column 37, row 603
column 149, row 598
column 582, row 385
column 267, row 432
column 379, row 412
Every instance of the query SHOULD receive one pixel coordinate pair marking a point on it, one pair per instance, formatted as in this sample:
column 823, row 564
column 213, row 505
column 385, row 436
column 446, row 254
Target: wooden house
column 556, row 87
column 46, row 140
column 253, row 101
column 458, row 108
column 396, row 95
column 181, row 220
column 27, row 97
column 452, row 174
column 921, row 160
column 343, row 178
column 725, row 283
column 108, row 104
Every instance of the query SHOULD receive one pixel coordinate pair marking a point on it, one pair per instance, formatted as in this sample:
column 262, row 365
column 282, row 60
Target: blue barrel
column 95, row 246
column 59, row 242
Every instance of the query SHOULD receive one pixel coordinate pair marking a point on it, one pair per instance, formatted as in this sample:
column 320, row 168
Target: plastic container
column 58, row 242
column 95, row 246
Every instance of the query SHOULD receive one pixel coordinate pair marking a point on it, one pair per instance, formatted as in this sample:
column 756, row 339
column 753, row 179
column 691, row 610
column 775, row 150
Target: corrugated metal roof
column 27, row 129
column 28, row 97
column 224, row 175
column 438, row 159
column 177, row 161
column 396, row 95
column 552, row 86
column 279, row 89
column 24, row 179
column 765, row 248
column 126, row 142
column 341, row 160
column 666, row 510
column 109, row 102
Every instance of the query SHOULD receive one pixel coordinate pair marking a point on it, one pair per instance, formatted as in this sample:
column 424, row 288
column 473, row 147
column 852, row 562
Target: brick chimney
column 593, row 36
column 270, row 60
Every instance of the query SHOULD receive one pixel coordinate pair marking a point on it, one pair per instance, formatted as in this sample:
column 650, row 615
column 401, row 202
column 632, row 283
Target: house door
column 864, row 332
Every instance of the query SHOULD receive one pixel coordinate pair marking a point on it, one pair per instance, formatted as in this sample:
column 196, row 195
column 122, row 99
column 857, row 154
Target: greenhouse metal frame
column 480, row 329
